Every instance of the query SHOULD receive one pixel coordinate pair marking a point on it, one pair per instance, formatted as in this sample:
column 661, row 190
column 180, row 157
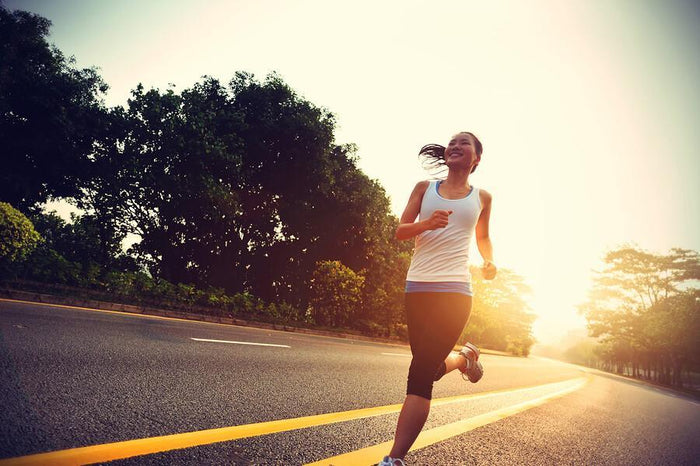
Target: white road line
column 240, row 342
column 397, row 354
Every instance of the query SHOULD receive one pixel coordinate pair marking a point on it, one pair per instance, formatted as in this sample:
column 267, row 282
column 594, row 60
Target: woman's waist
column 462, row 287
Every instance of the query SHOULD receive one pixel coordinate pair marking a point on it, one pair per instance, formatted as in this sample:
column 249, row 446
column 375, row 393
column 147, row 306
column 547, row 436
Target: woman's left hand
column 488, row 270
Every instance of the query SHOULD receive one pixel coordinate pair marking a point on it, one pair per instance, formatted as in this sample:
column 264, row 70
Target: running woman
column 438, row 283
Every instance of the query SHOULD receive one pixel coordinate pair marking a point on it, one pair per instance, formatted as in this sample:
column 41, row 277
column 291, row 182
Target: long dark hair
column 432, row 156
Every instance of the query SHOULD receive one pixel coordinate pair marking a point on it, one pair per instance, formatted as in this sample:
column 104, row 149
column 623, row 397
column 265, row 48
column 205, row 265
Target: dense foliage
column 335, row 294
column 17, row 234
column 50, row 114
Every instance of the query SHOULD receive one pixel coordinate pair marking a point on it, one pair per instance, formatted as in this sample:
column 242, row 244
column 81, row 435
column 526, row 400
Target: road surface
column 85, row 386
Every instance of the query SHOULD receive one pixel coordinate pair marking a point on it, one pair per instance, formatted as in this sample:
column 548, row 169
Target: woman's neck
column 457, row 178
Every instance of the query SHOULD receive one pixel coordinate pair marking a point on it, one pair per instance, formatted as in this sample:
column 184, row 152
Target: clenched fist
column 438, row 219
column 488, row 270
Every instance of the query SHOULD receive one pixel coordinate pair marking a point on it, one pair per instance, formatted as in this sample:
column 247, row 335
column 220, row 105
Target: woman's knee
column 420, row 387
column 421, row 375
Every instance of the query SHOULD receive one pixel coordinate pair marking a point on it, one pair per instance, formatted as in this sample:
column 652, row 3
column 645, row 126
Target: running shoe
column 389, row 461
column 474, row 370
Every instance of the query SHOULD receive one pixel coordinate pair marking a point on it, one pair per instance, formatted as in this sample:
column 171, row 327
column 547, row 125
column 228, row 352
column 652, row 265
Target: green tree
column 17, row 234
column 671, row 327
column 500, row 318
column 629, row 303
column 86, row 241
column 51, row 114
column 355, row 226
column 335, row 291
column 168, row 174
column 27, row 254
column 286, row 185
column 633, row 281
column 242, row 187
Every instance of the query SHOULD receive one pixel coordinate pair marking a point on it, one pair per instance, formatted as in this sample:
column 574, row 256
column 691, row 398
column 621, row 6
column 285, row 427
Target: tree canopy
column 238, row 186
column 644, row 308
column 51, row 114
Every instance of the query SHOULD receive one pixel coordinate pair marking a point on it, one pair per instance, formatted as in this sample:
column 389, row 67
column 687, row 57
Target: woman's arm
column 483, row 240
column 408, row 227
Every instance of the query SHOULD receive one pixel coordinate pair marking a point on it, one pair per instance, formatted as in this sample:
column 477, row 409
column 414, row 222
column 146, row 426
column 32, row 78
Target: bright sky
column 588, row 109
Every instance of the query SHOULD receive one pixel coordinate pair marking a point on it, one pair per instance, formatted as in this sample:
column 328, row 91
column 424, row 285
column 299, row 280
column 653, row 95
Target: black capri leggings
column 435, row 322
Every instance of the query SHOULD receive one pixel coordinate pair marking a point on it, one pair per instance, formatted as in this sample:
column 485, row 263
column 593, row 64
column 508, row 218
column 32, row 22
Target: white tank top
column 442, row 255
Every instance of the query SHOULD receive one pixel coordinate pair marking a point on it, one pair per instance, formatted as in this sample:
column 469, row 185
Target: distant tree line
column 644, row 308
column 237, row 193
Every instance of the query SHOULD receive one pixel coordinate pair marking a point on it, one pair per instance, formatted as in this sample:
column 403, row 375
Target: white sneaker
column 389, row 461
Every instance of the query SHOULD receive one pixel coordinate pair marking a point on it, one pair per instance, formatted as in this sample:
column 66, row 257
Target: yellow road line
column 371, row 455
column 145, row 446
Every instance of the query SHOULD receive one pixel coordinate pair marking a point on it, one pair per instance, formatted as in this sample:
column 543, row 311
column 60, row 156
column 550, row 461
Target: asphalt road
column 73, row 378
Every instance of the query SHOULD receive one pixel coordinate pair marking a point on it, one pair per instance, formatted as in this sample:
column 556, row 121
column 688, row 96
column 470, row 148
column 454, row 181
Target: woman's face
column 461, row 152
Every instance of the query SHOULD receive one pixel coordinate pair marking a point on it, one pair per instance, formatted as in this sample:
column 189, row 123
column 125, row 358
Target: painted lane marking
column 240, row 342
column 429, row 437
column 397, row 354
column 145, row 446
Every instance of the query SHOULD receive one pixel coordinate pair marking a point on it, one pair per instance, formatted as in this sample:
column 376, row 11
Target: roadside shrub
column 186, row 293
column 46, row 265
column 370, row 328
column 18, row 237
column 335, row 293
column 287, row 312
column 401, row 331
column 243, row 303
column 119, row 283
column 164, row 290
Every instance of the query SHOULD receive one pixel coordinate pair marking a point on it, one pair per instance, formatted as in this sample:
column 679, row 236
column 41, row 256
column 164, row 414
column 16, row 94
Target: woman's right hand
column 438, row 219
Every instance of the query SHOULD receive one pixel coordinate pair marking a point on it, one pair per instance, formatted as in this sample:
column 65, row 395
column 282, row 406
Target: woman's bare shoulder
column 421, row 186
column 485, row 196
